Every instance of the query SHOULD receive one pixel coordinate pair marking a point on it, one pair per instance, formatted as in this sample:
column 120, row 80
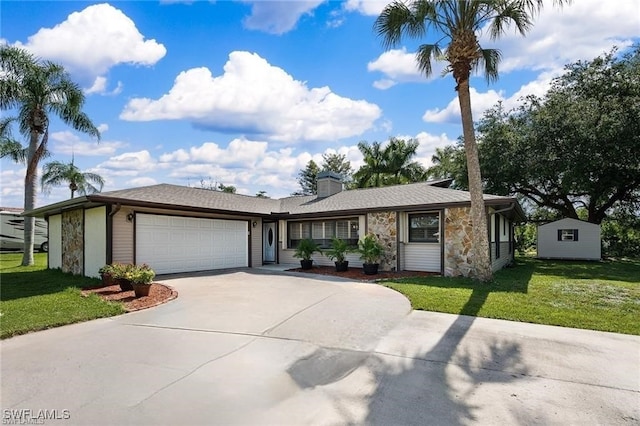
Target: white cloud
column 278, row 17
column 366, row 7
column 480, row 102
column 130, row 163
column 103, row 127
column 255, row 97
column 66, row 142
column 101, row 36
column 142, row 181
column 400, row 66
column 581, row 30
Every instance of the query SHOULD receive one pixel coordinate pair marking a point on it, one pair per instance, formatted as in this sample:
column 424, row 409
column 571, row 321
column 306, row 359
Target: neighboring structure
column 12, row 230
column 569, row 239
column 423, row 226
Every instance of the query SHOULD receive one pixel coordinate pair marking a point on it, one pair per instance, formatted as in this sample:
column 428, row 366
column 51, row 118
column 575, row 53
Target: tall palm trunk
column 30, row 182
column 481, row 260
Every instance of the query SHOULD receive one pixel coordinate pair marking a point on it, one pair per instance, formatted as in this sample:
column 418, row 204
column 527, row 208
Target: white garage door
column 184, row 244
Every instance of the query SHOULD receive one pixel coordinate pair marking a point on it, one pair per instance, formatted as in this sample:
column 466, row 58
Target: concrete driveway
column 251, row 347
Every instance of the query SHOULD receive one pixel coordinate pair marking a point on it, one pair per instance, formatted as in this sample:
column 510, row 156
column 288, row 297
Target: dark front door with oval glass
column 269, row 242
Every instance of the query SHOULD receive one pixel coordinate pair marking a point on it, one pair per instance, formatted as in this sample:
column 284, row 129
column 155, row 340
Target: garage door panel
column 182, row 244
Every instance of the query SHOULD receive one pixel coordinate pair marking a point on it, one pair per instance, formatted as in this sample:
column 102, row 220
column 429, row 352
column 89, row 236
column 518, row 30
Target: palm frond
column 425, row 54
column 490, row 60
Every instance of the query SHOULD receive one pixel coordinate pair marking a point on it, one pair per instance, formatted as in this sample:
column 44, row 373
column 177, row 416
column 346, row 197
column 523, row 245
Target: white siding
column 418, row 256
column 587, row 247
column 256, row 242
column 504, row 235
column 95, row 240
column 55, row 241
column 421, row 257
column 122, row 238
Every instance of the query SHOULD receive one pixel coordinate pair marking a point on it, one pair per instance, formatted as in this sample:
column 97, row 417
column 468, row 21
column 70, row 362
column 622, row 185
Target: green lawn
column 592, row 295
column 34, row 298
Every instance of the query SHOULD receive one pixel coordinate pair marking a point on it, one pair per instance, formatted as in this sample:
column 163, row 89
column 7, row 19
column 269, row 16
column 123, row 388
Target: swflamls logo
column 27, row 416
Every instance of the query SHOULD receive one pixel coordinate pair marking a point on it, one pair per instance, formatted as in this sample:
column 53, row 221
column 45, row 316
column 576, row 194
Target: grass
column 34, row 298
column 591, row 295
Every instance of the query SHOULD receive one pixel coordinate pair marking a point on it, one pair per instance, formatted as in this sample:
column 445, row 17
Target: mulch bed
column 158, row 294
column 357, row 274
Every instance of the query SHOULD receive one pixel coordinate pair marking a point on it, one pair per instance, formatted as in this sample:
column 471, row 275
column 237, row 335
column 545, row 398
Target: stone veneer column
column 72, row 241
column 383, row 226
column 458, row 253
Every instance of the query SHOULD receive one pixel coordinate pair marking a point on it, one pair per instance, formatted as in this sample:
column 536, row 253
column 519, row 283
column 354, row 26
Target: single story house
column 423, row 227
column 569, row 239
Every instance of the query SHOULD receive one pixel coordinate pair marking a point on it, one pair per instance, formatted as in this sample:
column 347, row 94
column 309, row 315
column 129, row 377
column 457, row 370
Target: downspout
column 110, row 216
column 116, row 210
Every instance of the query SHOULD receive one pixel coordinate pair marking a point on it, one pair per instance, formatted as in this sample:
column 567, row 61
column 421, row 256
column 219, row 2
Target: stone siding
column 458, row 247
column 384, row 226
column 73, row 242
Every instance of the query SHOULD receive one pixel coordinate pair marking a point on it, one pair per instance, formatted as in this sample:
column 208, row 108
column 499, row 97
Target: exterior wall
column 95, row 240
column 384, row 226
column 122, row 238
column 418, row 256
column 506, row 248
column 286, row 254
column 587, row 247
column 255, row 259
column 55, row 242
column 458, row 258
column 73, row 241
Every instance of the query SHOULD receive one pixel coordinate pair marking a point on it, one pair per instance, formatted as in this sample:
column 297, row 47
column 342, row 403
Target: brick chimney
column 329, row 183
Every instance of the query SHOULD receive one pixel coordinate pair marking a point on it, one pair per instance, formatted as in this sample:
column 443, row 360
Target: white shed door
column 172, row 244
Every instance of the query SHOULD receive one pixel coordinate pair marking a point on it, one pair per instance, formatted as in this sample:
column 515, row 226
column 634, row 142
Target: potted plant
column 106, row 274
column 337, row 252
column 305, row 249
column 140, row 277
column 118, row 272
column 370, row 251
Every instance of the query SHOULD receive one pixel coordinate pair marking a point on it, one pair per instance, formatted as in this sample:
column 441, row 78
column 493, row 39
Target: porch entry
column 268, row 242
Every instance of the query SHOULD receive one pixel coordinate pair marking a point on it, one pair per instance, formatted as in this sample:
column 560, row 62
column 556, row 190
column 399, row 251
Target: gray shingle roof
column 390, row 197
column 184, row 196
column 411, row 196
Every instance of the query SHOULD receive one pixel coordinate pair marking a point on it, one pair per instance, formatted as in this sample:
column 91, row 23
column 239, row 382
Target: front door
column 268, row 242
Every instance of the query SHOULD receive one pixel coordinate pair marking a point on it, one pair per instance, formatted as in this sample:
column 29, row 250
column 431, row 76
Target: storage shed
column 569, row 239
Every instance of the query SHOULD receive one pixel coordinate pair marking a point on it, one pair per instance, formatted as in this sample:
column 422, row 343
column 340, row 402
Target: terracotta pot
column 342, row 266
column 107, row 280
column 370, row 268
column 141, row 290
column 306, row 264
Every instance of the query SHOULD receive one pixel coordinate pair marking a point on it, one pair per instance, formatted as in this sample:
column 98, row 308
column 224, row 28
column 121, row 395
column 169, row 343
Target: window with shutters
column 567, row 235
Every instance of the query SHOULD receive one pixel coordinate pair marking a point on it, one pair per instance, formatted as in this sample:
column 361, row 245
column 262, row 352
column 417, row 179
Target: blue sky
column 245, row 93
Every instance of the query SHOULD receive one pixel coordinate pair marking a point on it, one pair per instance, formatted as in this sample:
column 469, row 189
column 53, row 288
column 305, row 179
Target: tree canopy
column 332, row 162
column 576, row 147
column 391, row 164
column 57, row 173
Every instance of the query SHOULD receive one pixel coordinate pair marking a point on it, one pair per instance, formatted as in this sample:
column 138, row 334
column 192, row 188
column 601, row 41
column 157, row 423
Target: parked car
column 12, row 232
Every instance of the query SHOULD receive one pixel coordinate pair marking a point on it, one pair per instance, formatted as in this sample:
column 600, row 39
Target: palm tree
column 389, row 165
column 37, row 89
column 57, row 173
column 398, row 155
column 458, row 22
column 371, row 173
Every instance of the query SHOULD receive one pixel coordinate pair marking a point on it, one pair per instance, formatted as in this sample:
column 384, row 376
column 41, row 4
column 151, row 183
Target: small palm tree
column 57, row 173
column 37, row 89
column 457, row 23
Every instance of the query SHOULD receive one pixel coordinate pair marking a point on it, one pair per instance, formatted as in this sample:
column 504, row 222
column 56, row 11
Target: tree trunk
column 30, row 198
column 481, row 260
